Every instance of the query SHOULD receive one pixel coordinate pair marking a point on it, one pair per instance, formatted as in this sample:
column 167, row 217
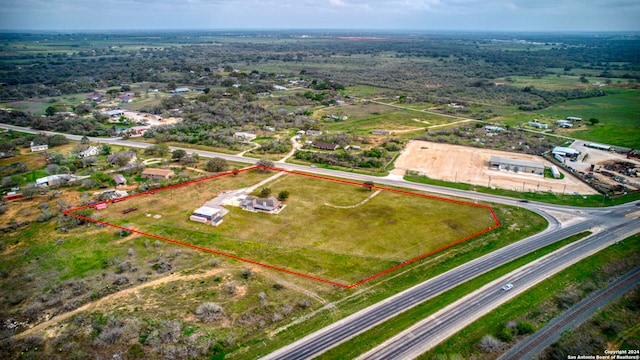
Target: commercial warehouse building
column 516, row 165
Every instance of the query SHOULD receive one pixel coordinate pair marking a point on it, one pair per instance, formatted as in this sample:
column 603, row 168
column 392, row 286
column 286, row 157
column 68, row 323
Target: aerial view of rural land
column 342, row 179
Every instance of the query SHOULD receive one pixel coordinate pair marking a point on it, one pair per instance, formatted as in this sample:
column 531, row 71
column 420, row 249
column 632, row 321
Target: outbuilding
column 119, row 180
column 157, row 173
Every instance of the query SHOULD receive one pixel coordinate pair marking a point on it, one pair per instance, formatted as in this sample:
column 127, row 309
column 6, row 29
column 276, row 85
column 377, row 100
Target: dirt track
column 471, row 165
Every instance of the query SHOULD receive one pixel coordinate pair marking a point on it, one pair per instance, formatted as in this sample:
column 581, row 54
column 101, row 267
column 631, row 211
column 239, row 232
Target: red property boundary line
column 71, row 212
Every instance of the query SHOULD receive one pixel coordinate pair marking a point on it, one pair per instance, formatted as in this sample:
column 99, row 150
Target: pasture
column 339, row 232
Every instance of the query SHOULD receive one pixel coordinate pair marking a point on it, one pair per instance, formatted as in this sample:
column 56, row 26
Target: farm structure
column 560, row 152
column 53, row 180
column 346, row 258
column 157, row 174
column 537, row 125
column 516, row 165
column 456, row 163
column 599, row 146
column 207, row 215
column 119, row 180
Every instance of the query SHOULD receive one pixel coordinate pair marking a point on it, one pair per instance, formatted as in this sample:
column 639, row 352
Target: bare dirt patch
column 471, row 165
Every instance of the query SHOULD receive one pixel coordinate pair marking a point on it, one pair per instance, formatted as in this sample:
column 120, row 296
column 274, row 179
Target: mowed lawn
column 334, row 231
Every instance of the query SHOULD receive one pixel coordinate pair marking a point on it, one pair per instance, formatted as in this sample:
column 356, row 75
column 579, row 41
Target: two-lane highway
column 324, row 339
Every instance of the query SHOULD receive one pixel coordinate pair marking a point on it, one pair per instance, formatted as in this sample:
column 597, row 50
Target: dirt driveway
column 471, row 165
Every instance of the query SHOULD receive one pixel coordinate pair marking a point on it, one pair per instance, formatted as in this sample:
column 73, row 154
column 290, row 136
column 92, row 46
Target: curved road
column 446, row 322
column 324, row 339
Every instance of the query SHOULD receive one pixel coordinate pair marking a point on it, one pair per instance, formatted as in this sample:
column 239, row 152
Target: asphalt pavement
column 604, row 219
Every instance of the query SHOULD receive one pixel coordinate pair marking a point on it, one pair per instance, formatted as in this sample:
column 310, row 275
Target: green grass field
column 325, row 230
column 365, row 117
column 618, row 113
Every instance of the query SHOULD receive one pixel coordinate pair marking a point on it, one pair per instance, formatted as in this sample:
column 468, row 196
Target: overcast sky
column 509, row 15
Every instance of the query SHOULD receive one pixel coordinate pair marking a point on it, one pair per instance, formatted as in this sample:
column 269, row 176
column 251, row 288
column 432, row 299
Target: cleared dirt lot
column 471, row 165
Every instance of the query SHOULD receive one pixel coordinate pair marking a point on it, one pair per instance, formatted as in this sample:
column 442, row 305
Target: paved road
column 332, row 335
column 324, row 339
column 455, row 317
column 573, row 317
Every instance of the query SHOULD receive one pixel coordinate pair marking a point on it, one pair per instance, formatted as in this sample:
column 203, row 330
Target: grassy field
column 617, row 112
column 364, row 117
column 372, row 236
column 364, row 342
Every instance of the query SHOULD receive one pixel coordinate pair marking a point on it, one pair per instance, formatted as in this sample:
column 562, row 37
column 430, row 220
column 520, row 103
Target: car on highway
column 507, row 287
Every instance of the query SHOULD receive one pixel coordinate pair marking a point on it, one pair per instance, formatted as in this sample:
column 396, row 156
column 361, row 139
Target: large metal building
column 515, row 165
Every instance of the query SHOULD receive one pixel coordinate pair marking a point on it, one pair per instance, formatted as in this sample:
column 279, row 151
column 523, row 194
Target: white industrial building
column 516, row 165
column 537, row 125
column 207, row 215
column 565, row 151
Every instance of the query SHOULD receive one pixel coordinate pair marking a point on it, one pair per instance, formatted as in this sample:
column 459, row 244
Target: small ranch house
column 245, row 136
column 253, row 203
column 157, row 173
column 35, row 147
column 91, row 151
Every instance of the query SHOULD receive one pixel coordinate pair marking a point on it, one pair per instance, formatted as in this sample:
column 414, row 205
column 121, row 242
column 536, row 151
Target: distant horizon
column 385, row 15
column 315, row 30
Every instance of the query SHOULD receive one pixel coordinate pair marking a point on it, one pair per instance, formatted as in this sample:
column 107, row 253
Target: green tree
column 85, row 140
column 100, row 177
column 594, row 121
column 157, row 149
column 265, row 192
column 106, row 149
column 57, row 140
column 265, row 164
column 178, row 154
column 217, row 165
column 368, row 184
column 50, row 111
column 283, row 195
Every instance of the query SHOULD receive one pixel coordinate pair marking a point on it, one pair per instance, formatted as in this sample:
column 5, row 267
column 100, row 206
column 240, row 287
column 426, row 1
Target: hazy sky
column 518, row 15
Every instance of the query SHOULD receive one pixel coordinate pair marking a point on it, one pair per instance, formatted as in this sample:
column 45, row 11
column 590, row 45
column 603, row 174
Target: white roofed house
column 35, row 147
column 253, row 203
column 245, row 136
column 90, row 151
column 53, row 180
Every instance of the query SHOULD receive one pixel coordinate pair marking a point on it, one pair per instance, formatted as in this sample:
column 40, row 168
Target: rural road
column 614, row 225
column 560, row 227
